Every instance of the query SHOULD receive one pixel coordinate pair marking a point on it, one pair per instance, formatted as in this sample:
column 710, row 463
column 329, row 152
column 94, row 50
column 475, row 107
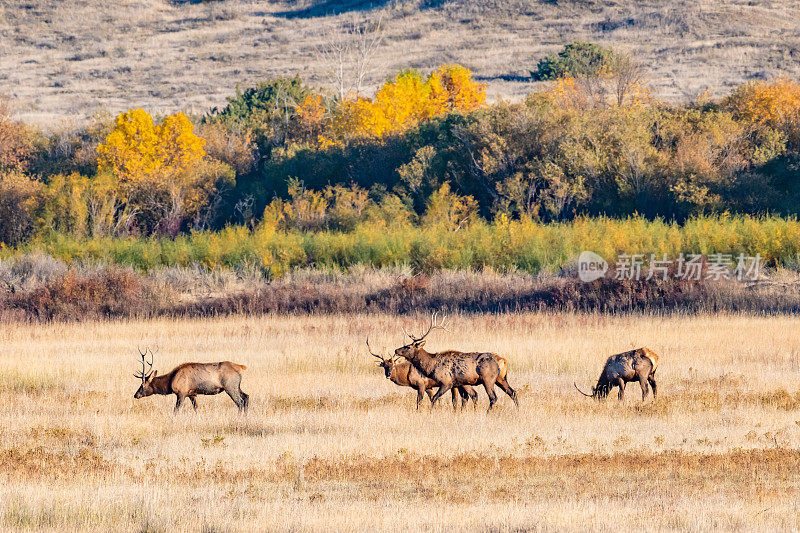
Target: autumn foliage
column 159, row 169
column 776, row 104
column 399, row 104
column 15, row 140
column 424, row 149
column 138, row 151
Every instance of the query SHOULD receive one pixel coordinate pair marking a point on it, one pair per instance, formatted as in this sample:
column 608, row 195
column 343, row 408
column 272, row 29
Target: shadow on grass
column 331, row 7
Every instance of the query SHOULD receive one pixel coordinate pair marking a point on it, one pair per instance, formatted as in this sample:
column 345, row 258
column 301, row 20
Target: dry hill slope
column 68, row 58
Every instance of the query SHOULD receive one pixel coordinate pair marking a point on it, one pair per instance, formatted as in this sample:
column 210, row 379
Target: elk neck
column 424, row 360
column 161, row 384
column 396, row 374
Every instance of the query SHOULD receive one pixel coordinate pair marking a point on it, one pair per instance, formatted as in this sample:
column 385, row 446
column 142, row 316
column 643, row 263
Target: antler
column 371, row 352
column 379, row 356
column 143, row 375
column 432, row 327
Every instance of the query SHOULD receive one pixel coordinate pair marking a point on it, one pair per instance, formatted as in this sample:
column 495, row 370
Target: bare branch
column 348, row 51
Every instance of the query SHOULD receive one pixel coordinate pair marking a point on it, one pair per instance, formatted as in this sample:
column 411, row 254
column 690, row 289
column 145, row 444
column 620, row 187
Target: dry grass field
column 329, row 444
column 66, row 59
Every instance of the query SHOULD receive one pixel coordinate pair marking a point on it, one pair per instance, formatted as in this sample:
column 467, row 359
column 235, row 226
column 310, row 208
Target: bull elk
column 636, row 365
column 190, row 379
column 404, row 374
column 453, row 369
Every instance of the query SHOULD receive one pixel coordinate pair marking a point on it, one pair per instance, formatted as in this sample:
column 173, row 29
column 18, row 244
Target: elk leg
column 503, row 384
column 652, row 381
column 466, row 393
column 442, row 389
column 454, row 394
column 245, row 400
column 236, row 396
column 490, row 392
column 621, row 385
column 643, row 384
column 233, row 387
column 178, row 403
column 473, row 394
column 194, row 402
column 421, row 394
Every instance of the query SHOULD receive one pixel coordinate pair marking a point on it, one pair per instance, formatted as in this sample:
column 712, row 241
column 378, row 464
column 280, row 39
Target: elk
column 190, row 379
column 636, row 365
column 404, row 374
column 452, row 369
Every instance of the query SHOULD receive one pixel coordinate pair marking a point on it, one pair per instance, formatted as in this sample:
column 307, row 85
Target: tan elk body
column 635, row 365
column 190, row 379
column 452, row 369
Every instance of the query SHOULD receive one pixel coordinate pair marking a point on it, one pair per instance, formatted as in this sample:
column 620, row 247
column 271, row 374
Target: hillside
column 66, row 59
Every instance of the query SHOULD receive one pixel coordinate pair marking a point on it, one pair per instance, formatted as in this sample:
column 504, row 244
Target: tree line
column 425, row 149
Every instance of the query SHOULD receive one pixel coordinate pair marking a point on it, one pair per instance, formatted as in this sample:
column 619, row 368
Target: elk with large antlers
column 403, row 373
column 457, row 369
column 636, row 365
column 190, row 379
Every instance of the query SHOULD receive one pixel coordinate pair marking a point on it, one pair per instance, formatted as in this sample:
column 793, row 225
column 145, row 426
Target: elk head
column 146, row 389
column 386, row 363
column 410, row 350
column 592, row 395
column 600, row 391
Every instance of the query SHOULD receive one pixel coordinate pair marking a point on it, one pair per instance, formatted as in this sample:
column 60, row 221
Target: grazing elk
column 190, row 379
column 636, row 365
column 404, row 374
column 457, row 369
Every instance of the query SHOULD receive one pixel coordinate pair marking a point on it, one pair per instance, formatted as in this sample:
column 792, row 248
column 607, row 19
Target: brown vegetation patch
column 49, row 290
column 40, row 463
column 104, row 293
column 587, row 475
column 463, row 478
column 476, row 292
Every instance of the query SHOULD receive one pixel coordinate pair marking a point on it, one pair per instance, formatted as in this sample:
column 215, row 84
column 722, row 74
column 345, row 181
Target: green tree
column 267, row 109
column 578, row 59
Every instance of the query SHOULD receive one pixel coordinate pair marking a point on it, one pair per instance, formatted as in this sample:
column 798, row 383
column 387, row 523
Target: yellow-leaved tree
column 401, row 103
column 775, row 103
column 453, row 89
column 160, row 169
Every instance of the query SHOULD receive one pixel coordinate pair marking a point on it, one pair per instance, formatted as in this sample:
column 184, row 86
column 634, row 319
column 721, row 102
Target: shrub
column 577, row 59
column 449, row 210
column 68, row 149
column 404, row 102
column 65, row 205
column 336, row 207
column 91, row 294
column 16, row 145
column 235, row 149
column 20, row 198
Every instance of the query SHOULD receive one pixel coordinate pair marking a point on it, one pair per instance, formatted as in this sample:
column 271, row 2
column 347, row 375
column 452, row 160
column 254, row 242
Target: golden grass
column 329, row 444
column 65, row 59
